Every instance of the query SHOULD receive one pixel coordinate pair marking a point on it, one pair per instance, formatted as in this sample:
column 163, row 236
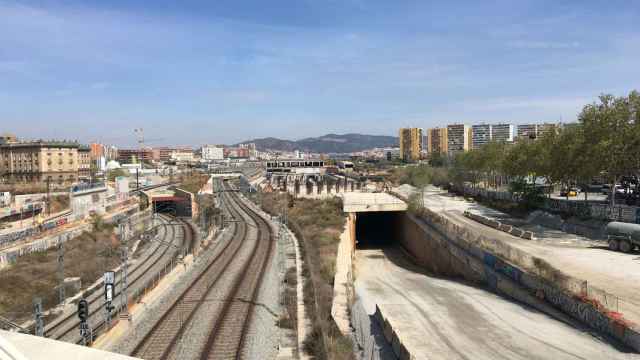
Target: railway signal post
column 37, row 310
column 125, row 270
column 83, row 315
column 109, row 289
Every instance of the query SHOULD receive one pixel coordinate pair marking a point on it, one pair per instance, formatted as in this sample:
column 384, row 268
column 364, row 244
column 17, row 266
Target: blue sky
column 194, row 72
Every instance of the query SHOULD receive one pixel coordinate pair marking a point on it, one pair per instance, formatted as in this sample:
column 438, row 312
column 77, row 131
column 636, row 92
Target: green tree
column 113, row 174
column 611, row 129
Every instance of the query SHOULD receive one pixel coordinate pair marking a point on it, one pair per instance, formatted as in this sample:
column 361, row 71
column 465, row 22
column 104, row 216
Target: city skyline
column 228, row 72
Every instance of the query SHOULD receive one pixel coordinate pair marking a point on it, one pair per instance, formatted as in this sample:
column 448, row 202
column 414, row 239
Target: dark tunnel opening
column 166, row 207
column 377, row 229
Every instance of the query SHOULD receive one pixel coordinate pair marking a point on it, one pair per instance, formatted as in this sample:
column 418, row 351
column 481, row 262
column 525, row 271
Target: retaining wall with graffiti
column 9, row 256
column 452, row 250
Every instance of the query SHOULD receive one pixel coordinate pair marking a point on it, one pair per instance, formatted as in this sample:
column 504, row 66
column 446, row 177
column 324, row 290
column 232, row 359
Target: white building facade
column 212, row 152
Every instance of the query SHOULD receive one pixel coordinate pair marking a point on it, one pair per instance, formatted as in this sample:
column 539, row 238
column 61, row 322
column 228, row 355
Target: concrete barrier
column 516, row 232
column 399, row 350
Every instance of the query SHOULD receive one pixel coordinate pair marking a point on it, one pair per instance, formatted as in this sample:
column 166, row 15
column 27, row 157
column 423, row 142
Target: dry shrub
column 35, row 275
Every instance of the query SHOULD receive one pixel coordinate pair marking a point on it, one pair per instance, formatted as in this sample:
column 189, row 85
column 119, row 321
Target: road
column 444, row 319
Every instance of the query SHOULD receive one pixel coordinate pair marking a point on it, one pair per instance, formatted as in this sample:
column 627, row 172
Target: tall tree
column 611, row 129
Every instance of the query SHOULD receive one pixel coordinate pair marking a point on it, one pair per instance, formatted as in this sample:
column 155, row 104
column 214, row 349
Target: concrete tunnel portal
column 375, row 219
column 377, row 229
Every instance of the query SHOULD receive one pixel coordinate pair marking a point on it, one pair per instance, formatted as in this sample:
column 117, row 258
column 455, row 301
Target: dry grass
column 35, row 275
column 318, row 225
column 59, row 203
column 192, row 183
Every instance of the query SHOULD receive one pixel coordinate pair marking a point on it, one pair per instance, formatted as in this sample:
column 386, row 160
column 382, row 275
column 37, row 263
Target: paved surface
column 21, row 346
column 442, row 319
column 363, row 202
column 615, row 272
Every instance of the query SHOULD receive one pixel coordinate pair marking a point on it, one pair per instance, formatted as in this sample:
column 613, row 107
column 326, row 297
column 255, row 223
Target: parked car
column 569, row 192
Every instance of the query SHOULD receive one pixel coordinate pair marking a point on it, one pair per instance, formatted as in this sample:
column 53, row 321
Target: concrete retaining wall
column 368, row 332
column 450, row 250
column 9, row 256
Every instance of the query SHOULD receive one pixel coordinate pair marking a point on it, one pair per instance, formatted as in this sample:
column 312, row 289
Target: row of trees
column 605, row 143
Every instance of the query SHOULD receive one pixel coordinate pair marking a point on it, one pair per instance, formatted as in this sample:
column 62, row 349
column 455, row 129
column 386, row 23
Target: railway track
column 229, row 334
column 155, row 260
column 227, row 313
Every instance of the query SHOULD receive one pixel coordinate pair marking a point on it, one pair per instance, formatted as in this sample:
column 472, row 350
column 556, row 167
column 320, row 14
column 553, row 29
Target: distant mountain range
column 331, row 143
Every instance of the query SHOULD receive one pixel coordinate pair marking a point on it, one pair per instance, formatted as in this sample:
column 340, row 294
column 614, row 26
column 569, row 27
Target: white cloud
column 543, row 45
column 100, row 85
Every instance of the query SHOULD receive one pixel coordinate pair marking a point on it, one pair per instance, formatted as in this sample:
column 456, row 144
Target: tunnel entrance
column 377, row 229
column 174, row 205
column 165, row 207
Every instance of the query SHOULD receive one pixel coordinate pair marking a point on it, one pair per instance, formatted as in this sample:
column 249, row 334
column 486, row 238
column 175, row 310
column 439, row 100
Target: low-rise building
column 182, row 155
column 134, row 155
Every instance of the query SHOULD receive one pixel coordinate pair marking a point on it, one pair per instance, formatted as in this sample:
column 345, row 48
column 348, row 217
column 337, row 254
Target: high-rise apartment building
column 437, row 141
column 504, row 133
column 458, row 138
column 410, row 143
column 480, row 135
column 527, row 131
column 545, row 128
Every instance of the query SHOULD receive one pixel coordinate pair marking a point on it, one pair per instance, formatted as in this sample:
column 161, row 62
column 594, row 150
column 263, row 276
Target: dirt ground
column 35, row 275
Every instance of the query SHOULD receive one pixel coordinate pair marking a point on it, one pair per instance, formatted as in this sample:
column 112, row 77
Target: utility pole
column 140, row 133
column 37, row 310
column 48, row 196
column 61, row 289
column 124, row 258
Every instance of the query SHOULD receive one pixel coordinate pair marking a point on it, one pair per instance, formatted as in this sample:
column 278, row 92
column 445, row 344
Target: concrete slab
column 590, row 260
column 435, row 318
column 370, row 202
column 22, row 346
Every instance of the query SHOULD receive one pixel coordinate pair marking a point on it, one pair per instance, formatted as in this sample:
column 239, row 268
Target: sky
column 195, row 72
